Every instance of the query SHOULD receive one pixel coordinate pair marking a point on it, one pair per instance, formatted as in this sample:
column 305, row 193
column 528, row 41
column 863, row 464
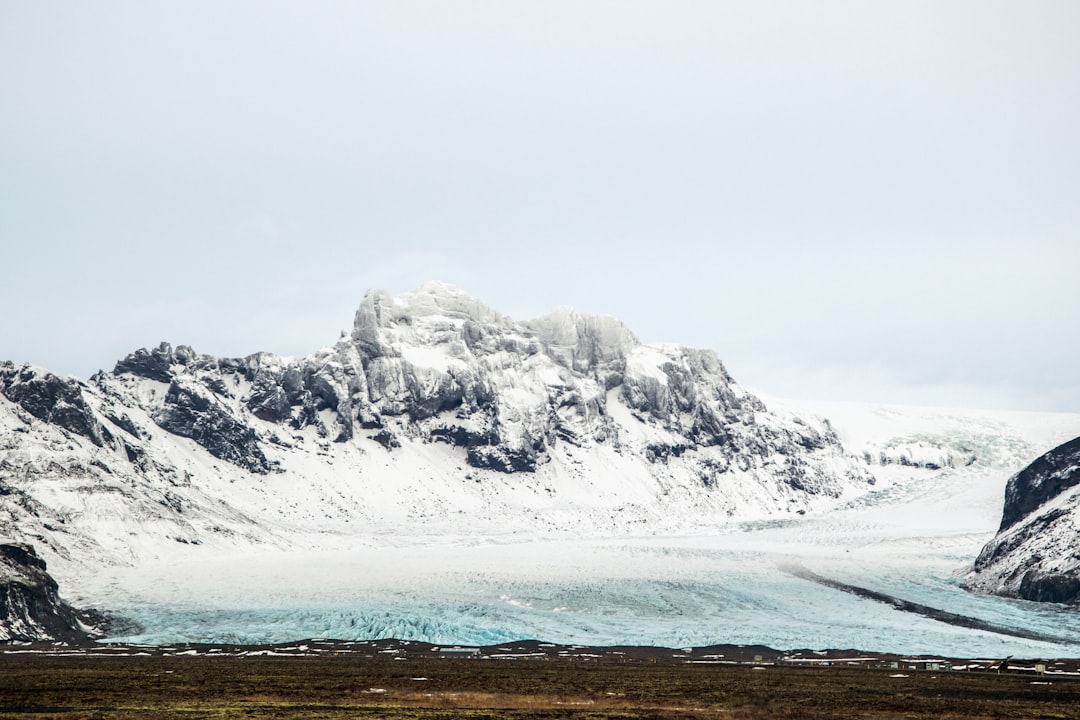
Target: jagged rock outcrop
column 1036, row 552
column 30, row 606
column 450, row 369
column 55, row 400
column 157, row 364
column 191, row 412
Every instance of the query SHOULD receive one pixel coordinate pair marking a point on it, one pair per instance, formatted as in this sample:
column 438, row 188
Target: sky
column 875, row 202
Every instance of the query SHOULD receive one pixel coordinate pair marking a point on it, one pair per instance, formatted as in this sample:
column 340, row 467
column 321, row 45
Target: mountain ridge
column 435, row 410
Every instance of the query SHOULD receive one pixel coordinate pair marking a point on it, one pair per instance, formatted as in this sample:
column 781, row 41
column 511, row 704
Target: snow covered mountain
column 436, row 415
column 445, row 473
column 1036, row 552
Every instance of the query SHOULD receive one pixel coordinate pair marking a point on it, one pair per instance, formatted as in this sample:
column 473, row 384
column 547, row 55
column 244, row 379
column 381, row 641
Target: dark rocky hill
column 30, row 606
column 1036, row 552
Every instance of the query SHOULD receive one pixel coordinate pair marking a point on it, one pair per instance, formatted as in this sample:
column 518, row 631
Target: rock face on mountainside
column 436, row 412
column 1036, row 552
column 57, row 401
column 30, row 608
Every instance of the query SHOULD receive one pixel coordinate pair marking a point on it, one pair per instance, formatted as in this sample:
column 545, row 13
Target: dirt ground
column 428, row 688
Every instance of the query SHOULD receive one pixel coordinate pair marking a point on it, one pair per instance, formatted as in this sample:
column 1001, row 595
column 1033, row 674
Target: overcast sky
column 873, row 201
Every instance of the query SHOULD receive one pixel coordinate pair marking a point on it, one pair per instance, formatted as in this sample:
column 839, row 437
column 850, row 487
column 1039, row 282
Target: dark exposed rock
column 502, row 459
column 269, row 400
column 1004, row 545
column 479, row 399
column 661, row 453
column 276, row 392
column 218, row 386
column 292, row 381
column 372, row 422
column 190, row 412
column 689, row 395
column 387, row 439
column 30, row 606
column 446, row 395
column 297, row 392
column 321, row 387
column 1041, row 586
column 307, row 414
column 520, row 458
column 155, row 364
column 1040, row 481
column 135, row 455
column 798, row 477
column 22, row 555
column 1036, row 552
column 125, row 423
column 709, row 428
column 461, row 437
column 694, row 384
column 52, row 399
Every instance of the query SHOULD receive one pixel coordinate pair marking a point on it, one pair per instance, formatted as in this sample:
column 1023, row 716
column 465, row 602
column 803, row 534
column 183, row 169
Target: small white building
column 457, row 651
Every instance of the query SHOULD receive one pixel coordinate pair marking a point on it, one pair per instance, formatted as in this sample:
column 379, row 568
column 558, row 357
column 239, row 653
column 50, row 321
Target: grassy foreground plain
column 36, row 687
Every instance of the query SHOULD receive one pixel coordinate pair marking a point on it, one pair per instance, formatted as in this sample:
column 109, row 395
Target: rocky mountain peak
column 157, row 364
column 428, row 314
column 438, row 364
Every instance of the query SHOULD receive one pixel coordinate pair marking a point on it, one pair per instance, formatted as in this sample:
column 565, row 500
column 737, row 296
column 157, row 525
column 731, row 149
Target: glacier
column 670, row 592
column 913, row 537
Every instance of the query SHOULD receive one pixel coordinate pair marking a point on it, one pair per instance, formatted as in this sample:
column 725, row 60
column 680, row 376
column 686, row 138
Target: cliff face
column 439, row 366
column 435, row 411
column 30, row 607
column 1047, row 478
column 1036, row 552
